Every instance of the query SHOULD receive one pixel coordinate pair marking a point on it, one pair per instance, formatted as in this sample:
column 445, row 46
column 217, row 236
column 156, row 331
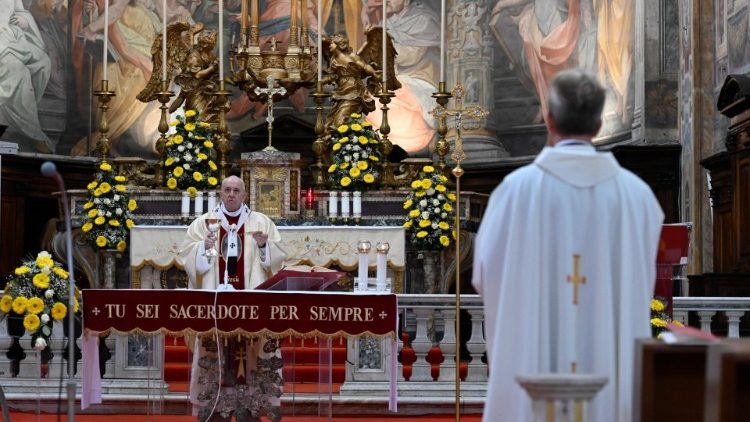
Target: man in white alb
column 250, row 386
column 565, row 263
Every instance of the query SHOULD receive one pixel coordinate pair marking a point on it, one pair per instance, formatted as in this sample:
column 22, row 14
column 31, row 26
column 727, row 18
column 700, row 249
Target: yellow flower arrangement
column 354, row 148
column 659, row 317
column 37, row 292
column 429, row 214
column 190, row 154
column 106, row 223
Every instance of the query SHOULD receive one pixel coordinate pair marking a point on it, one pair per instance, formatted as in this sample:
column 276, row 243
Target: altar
column 154, row 250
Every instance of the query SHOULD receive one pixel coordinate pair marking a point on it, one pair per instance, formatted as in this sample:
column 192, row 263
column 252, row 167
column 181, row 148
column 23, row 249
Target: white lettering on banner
column 340, row 313
column 213, row 312
column 284, row 312
column 143, row 310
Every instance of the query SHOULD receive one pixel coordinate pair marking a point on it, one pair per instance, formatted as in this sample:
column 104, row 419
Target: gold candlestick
column 104, row 95
column 387, row 178
column 442, row 97
column 223, row 147
column 319, row 146
column 163, row 97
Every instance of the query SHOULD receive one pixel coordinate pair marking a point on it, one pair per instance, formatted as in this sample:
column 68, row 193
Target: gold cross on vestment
column 576, row 278
column 239, row 355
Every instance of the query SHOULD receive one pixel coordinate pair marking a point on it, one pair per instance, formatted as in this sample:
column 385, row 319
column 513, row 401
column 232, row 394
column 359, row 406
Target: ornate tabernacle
column 272, row 181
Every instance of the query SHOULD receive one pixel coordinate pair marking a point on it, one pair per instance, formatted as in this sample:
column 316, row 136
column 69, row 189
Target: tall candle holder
column 223, row 147
column 319, row 145
column 387, row 178
column 104, row 95
column 163, row 96
column 442, row 97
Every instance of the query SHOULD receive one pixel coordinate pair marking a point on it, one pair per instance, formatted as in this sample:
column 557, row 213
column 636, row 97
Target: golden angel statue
column 357, row 77
column 190, row 58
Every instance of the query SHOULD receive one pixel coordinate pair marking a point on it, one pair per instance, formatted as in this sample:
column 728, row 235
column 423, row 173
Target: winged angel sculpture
column 357, row 77
column 190, row 58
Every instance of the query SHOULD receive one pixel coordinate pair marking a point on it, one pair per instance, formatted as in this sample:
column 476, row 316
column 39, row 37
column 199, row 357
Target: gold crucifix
column 239, row 356
column 576, row 278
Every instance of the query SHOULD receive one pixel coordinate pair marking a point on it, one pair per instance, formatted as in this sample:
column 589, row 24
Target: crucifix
column 576, row 278
column 239, row 356
column 270, row 90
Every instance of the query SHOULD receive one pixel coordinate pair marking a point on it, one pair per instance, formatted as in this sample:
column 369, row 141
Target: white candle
column 185, row 205
column 199, row 203
column 362, row 273
column 442, row 41
column 106, row 38
column 357, row 204
column 382, row 249
column 385, row 51
column 333, row 205
column 221, row 40
column 164, row 41
column 211, row 200
column 320, row 40
column 345, row 204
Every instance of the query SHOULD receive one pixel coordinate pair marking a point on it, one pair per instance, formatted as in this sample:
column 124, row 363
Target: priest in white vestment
column 248, row 384
column 565, row 263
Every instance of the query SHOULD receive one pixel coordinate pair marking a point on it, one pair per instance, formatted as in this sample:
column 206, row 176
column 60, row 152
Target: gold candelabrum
column 223, row 147
column 250, row 65
column 104, row 95
column 458, row 156
column 442, row 97
column 319, row 145
column 163, row 96
column 386, row 146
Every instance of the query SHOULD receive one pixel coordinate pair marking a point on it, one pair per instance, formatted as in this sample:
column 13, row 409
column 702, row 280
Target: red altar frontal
column 246, row 313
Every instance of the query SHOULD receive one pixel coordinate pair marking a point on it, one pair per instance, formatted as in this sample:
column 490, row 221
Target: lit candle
column 345, row 204
column 211, row 200
column 185, row 205
column 221, row 40
column 199, row 203
column 382, row 250
column 164, row 40
column 309, row 199
column 363, row 247
column 442, row 40
column 106, row 38
column 333, row 204
column 320, row 40
column 385, row 52
column 357, row 204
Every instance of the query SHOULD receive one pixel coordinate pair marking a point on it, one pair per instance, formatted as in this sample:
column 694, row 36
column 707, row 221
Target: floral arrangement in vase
column 355, row 155
column 38, row 292
column 659, row 317
column 429, row 206
column 109, row 210
column 189, row 155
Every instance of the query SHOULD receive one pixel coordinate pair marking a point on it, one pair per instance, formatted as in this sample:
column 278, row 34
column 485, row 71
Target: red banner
column 249, row 312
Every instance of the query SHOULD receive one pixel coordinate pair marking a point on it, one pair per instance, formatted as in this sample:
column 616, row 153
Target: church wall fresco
column 55, row 51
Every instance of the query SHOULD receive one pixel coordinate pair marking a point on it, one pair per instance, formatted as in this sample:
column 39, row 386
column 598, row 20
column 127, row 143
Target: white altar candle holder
column 211, row 200
column 357, row 205
column 363, row 247
column 185, row 206
column 333, row 205
column 199, row 203
column 380, row 281
column 345, row 205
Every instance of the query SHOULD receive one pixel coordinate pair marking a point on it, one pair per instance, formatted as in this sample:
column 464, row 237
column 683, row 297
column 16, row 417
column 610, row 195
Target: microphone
column 49, row 169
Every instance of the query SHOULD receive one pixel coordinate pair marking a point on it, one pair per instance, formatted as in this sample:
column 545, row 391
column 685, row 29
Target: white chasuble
column 570, row 201
column 256, row 271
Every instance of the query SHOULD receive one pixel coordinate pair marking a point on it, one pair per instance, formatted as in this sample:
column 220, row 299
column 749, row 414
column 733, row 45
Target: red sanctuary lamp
column 309, row 203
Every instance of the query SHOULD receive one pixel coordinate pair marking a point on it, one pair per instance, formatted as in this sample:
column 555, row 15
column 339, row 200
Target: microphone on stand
column 50, row 170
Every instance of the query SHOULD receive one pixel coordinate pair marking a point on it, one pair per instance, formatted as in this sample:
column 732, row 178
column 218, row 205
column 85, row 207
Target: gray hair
column 576, row 100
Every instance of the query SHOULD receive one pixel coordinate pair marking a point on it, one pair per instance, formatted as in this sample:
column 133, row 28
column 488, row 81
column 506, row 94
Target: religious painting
column 597, row 37
column 737, row 45
column 269, row 198
column 720, row 26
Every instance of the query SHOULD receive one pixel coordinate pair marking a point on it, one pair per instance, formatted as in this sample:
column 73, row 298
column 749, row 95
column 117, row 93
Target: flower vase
column 15, row 352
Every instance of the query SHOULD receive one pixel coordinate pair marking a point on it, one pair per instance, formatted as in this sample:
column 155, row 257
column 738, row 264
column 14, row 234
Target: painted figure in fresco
column 24, row 73
column 415, row 28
